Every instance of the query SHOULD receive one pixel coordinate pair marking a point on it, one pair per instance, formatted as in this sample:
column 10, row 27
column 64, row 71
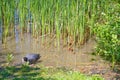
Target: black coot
column 31, row 58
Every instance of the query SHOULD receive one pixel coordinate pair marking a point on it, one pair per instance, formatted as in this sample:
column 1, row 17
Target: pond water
column 79, row 59
column 0, row 32
column 51, row 55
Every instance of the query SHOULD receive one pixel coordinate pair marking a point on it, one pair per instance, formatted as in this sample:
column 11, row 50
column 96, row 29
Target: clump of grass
column 60, row 74
column 25, row 68
column 10, row 69
column 4, row 74
column 9, row 58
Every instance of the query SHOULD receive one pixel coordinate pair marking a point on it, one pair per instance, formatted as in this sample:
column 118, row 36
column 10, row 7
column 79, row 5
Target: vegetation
column 75, row 21
column 108, row 34
column 29, row 73
column 71, row 19
column 9, row 58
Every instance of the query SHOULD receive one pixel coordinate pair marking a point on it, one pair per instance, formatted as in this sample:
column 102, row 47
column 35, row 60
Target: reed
column 64, row 18
column 6, row 15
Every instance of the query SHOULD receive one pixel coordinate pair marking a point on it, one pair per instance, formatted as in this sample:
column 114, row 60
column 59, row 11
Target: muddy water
column 79, row 59
column 51, row 55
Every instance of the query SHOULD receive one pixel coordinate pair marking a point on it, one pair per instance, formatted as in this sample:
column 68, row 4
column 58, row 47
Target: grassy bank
column 42, row 73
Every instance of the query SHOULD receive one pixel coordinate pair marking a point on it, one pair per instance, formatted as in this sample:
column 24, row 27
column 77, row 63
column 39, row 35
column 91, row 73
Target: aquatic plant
column 7, row 17
column 69, row 19
column 9, row 58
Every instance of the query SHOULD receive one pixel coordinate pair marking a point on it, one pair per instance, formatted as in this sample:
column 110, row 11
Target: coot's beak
column 23, row 60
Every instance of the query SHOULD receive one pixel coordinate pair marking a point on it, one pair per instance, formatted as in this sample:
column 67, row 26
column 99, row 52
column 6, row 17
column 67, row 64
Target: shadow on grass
column 21, row 73
column 32, row 73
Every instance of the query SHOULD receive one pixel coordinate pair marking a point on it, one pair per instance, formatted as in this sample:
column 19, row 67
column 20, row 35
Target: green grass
column 42, row 73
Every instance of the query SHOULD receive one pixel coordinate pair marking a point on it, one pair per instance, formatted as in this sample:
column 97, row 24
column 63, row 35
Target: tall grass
column 7, row 16
column 69, row 19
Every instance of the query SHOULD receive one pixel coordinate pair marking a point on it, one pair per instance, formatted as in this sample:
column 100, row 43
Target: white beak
column 23, row 60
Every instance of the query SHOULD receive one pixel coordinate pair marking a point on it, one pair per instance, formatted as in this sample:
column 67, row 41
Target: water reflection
column 0, row 33
column 0, row 30
column 17, row 38
column 16, row 30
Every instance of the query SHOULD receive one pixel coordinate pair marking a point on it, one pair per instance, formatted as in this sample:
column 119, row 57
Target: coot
column 31, row 58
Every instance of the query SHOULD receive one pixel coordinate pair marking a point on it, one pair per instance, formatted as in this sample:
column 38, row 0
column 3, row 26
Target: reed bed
column 71, row 20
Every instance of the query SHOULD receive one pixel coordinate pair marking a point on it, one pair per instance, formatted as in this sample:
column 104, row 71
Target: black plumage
column 31, row 58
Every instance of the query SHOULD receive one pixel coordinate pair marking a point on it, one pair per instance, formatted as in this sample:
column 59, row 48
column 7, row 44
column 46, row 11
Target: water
column 0, row 33
column 0, row 29
column 51, row 55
